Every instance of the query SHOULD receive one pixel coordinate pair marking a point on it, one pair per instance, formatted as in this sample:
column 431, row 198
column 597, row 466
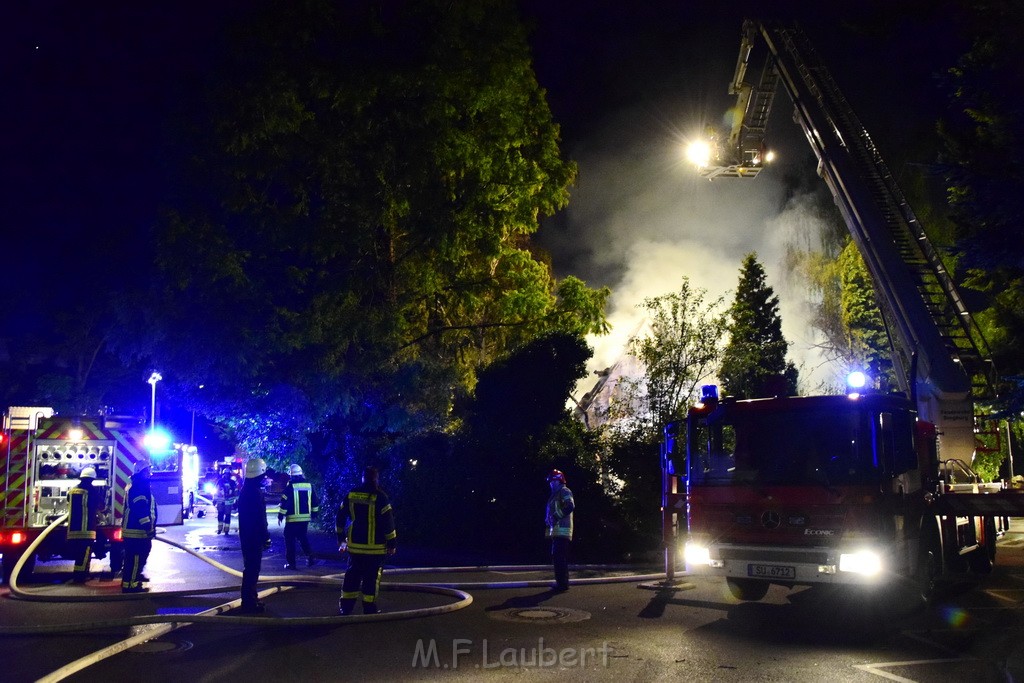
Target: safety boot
column 346, row 605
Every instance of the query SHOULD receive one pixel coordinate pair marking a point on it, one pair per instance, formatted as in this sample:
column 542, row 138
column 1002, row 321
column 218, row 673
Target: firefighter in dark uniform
column 227, row 498
column 252, row 532
column 366, row 530
column 558, row 517
column 138, row 529
column 84, row 504
column 299, row 502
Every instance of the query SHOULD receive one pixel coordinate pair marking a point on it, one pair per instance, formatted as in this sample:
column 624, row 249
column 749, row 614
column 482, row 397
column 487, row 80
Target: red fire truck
column 864, row 488
column 42, row 457
column 825, row 490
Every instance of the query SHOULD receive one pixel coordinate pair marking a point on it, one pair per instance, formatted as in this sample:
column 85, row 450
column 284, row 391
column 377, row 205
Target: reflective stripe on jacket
column 140, row 515
column 559, row 514
column 83, row 510
column 299, row 501
column 366, row 522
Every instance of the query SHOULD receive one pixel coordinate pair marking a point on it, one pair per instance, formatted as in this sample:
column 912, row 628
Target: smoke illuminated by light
column 639, row 222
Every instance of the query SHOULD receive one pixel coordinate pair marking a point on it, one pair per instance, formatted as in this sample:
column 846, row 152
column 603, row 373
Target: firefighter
column 299, row 503
column 366, row 530
column 558, row 518
column 252, row 532
column 227, row 498
column 138, row 528
column 84, row 505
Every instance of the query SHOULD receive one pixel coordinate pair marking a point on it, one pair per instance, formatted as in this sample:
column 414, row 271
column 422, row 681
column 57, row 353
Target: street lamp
column 153, row 379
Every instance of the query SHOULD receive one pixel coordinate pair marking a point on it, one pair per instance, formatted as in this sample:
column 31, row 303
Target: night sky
column 90, row 88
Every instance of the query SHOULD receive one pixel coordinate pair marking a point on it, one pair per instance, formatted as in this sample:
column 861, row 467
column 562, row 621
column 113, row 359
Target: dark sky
column 89, row 89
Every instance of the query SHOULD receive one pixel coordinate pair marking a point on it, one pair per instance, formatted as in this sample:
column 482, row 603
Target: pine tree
column 754, row 363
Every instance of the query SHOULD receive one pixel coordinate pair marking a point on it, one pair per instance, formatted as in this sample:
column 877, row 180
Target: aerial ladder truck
column 867, row 488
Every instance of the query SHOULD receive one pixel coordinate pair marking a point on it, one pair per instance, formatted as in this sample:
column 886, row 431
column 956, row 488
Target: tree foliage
column 683, row 349
column 866, row 335
column 754, row 361
column 359, row 225
column 983, row 134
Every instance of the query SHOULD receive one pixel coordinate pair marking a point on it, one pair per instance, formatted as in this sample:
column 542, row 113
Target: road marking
column 875, row 668
column 142, row 634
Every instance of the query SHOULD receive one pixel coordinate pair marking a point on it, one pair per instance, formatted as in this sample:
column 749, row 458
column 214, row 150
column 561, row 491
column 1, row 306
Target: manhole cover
column 540, row 615
column 161, row 647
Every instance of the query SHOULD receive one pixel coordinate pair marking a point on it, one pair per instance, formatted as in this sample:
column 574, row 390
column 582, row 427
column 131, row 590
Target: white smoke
column 640, row 219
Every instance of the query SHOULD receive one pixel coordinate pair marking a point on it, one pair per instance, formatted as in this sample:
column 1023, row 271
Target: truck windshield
column 796, row 447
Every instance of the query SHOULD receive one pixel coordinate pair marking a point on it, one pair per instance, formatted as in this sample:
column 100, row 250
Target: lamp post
column 192, row 438
column 153, row 379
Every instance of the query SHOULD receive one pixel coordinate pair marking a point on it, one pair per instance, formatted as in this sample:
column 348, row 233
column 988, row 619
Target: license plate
column 771, row 571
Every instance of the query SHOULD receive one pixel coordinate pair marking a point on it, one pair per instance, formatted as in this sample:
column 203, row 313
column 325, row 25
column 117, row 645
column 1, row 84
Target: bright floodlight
column 699, row 154
column 856, row 380
column 769, row 157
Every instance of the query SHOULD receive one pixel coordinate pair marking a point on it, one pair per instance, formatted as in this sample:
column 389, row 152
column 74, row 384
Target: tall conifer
column 754, row 363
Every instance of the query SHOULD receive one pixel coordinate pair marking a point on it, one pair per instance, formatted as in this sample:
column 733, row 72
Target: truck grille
column 755, row 554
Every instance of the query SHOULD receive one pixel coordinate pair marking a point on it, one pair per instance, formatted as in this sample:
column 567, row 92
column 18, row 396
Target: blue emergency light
column 856, row 380
column 157, row 441
column 709, row 392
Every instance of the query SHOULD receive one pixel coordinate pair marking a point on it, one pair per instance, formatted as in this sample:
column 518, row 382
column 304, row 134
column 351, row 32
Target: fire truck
column 869, row 488
column 42, row 458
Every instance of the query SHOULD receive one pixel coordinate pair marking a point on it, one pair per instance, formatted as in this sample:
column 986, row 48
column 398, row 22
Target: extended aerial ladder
column 938, row 351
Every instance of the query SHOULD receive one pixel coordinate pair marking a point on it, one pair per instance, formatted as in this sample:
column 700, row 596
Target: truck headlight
column 696, row 554
column 866, row 562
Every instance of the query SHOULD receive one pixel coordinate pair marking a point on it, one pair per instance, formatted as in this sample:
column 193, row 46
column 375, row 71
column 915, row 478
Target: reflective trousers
column 361, row 577
column 136, row 553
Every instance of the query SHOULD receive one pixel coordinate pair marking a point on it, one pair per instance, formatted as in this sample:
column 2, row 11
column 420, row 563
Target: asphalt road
column 514, row 628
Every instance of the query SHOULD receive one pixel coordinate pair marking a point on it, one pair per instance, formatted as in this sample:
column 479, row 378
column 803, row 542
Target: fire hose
column 216, row 615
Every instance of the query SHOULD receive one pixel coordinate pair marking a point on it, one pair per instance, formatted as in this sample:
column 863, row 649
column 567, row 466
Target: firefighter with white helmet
column 252, row 531
column 138, row 529
column 84, row 505
column 299, row 502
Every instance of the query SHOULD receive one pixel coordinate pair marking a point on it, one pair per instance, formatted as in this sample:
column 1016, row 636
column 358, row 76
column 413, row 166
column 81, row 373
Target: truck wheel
column 929, row 569
column 982, row 559
column 116, row 557
column 747, row 589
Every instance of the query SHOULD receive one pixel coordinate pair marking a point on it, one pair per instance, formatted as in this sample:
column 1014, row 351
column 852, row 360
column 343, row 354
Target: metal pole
column 153, row 379
column 1009, row 449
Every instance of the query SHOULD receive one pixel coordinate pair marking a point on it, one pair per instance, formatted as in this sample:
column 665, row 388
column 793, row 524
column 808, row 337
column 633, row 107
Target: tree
column 359, row 226
column 511, row 432
column 982, row 132
column 682, row 350
column 864, row 329
column 754, row 361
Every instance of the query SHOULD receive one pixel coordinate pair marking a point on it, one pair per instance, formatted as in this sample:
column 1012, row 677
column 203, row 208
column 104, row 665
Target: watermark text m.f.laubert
column 467, row 653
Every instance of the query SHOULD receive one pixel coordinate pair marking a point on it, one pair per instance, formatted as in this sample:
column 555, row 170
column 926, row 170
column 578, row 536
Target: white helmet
column 255, row 467
column 88, row 472
column 141, row 466
column 295, row 471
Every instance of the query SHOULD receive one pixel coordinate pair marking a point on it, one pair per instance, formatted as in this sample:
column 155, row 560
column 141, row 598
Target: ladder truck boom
column 938, row 350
